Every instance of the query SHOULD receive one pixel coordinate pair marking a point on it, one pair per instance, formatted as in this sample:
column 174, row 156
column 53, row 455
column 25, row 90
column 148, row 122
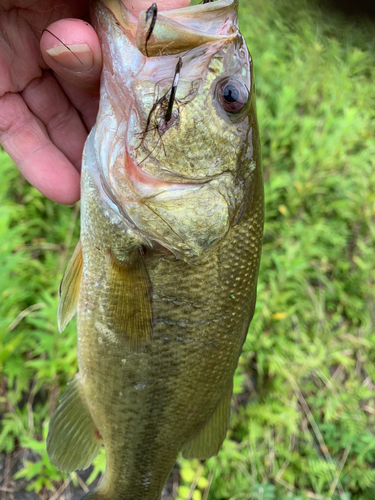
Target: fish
column 164, row 277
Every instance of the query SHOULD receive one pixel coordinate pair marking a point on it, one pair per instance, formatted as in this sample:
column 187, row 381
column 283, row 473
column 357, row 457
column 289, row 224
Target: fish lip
column 131, row 23
column 192, row 9
column 118, row 6
column 203, row 7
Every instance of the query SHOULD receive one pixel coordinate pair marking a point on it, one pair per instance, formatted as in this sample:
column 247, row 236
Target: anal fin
column 69, row 289
column 73, row 440
column 208, row 441
column 131, row 299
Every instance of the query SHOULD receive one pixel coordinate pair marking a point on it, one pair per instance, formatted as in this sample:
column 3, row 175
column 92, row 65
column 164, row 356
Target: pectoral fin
column 73, row 440
column 209, row 439
column 130, row 299
column 69, row 289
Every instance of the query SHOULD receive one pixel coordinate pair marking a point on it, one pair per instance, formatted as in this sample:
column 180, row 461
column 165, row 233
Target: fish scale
column 164, row 277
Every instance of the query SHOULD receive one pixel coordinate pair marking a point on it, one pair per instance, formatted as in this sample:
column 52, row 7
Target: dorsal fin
column 69, row 289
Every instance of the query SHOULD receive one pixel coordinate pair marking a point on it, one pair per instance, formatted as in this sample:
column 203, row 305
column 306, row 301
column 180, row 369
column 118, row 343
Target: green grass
column 304, row 419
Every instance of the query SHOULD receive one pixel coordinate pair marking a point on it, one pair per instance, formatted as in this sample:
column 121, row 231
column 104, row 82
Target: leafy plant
column 303, row 420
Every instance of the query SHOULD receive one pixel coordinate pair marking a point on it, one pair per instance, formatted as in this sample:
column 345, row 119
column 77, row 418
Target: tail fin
column 73, row 440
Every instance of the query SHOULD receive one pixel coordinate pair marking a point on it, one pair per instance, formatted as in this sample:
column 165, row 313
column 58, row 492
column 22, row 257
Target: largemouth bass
column 164, row 277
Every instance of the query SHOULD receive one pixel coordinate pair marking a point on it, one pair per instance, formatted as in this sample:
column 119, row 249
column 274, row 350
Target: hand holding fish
column 44, row 116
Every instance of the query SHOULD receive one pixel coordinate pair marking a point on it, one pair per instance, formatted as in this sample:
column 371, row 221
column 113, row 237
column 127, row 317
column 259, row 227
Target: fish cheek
column 202, row 144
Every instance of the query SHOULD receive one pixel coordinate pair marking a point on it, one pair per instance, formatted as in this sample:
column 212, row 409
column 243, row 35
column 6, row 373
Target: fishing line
column 152, row 11
column 176, row 78
column 162, row 99
column 66, row 46
column 168, row 114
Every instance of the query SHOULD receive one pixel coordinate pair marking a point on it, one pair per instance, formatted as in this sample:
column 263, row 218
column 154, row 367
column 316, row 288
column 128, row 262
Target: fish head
column 176, row 134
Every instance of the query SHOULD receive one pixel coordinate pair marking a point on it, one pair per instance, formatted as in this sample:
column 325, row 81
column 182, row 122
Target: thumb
column 71, row 49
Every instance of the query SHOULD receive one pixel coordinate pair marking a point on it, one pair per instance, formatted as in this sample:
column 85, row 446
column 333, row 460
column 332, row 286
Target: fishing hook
column 168, row 115
column 160, row 101
column 152, row 11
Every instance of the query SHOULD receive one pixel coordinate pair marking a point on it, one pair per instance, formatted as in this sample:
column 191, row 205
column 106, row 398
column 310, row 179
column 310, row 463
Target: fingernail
column 73, row 57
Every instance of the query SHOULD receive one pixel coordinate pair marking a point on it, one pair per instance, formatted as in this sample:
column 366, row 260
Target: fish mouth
column 167, row 33
column 174, row 31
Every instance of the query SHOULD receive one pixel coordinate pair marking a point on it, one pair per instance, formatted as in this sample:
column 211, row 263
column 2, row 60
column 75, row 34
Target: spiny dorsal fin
column 208, row 441
column 73, row 440
column 131, row 299
column 69, row 289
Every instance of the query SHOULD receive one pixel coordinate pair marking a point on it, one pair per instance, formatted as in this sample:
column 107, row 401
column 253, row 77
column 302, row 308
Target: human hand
column 45, row 116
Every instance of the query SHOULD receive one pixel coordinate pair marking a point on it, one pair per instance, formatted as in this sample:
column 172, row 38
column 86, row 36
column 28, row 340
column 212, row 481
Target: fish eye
column 232, row 95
